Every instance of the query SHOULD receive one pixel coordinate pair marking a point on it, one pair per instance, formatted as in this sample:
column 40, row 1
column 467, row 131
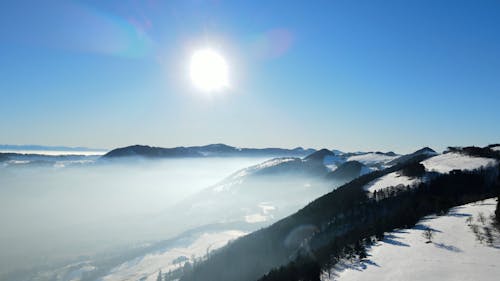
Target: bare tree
column 428, row 234
column 469, row 221
column 489, row 236
column 481, row 218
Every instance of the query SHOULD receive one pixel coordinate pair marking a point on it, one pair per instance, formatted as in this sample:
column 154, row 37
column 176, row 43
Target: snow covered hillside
column 444, row 163
column 391, row 179
column 496, row 148
column 454, row 253
column 146, row 267
column 374, row 158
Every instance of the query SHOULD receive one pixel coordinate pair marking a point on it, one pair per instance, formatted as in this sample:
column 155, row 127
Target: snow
column 371, row 158
column 77, row 273
column 391, row 179
column 444, row 163
column 273, row 162
column 454, row 254
column 264, row 215
column 147, row 266
column 239, row 176
column 496, row 148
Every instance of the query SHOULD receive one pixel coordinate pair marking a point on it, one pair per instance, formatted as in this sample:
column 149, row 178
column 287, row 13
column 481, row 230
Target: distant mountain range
column 48, row 148
column 211, row 150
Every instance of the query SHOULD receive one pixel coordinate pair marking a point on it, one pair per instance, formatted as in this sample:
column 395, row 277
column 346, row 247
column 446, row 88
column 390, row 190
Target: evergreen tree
column 360, row 250
column 159, row 278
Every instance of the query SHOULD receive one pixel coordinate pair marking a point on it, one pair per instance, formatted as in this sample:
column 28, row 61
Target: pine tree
column 159, row 278
column 360, row 250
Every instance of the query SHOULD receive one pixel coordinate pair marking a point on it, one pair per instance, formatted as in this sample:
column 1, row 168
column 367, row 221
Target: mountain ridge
column 211, row 150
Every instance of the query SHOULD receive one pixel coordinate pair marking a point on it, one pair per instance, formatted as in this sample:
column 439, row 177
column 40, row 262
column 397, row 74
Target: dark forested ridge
column 211, row 150
column 3, row 157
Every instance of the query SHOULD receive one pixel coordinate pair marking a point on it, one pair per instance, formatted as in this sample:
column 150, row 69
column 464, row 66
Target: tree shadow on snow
column 357, row 265
column 448, row 247
column 459, row 215
column 483, row 204
column 392, row 239
column 425, row 227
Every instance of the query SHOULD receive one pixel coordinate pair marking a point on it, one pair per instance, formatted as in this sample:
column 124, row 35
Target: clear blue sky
column 352, row 75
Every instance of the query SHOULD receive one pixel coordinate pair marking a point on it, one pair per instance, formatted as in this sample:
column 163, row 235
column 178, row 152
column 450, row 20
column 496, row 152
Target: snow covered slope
column 392, row 179
column 373, row 158
column 146, row 267
column 454, row 253
column 444, row 163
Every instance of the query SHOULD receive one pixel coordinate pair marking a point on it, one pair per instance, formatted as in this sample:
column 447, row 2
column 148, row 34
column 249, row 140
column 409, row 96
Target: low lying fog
column 52, row 214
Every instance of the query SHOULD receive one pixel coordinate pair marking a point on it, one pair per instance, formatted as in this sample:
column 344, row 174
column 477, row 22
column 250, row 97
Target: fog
column 54, row 214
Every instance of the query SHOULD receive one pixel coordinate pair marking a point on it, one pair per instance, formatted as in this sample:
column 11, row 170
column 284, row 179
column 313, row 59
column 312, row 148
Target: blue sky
column 351, row 75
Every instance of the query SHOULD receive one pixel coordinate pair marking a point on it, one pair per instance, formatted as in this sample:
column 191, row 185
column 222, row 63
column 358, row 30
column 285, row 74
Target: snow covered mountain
column 334, row 225
column 256, row 193
column 272, row 191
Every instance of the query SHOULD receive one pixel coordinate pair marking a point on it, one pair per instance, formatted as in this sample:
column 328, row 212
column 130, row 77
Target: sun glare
column 209, row 71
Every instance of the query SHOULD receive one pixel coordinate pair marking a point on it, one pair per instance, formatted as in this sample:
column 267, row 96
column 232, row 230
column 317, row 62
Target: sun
column 209, row 71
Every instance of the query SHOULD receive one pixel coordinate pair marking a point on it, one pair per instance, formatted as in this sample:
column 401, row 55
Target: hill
column 456, row 252
column 310, row 241
column 212, row 150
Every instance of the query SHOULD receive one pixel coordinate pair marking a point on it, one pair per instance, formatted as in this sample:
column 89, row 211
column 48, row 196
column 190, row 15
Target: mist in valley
column 53, row 214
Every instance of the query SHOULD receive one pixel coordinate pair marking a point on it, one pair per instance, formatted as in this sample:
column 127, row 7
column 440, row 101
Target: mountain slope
column 435, row 163
column 255, row 194
column 347, row 172
column 408, row 157
column 378, row 160
column 311, row 236
column 444, row 163
column 454, row 254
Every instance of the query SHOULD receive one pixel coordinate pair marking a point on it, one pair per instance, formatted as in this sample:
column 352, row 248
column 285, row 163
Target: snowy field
column 392, row 179
column 444, row 163
column 147, row 267
column 454, row 254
